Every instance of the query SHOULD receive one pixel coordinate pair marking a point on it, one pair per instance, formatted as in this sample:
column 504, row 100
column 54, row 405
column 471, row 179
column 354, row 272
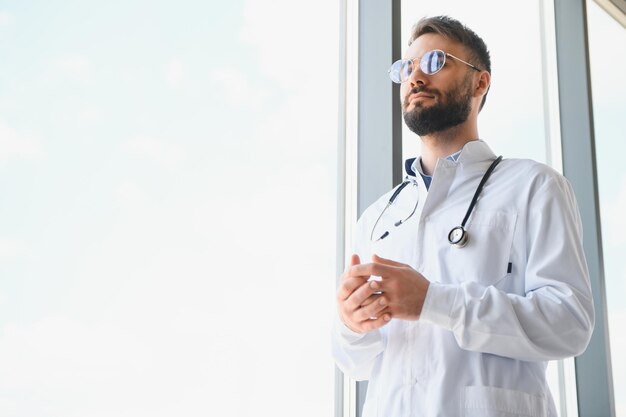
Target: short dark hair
column 456, row 31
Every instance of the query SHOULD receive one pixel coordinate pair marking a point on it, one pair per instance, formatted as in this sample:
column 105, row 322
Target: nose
column 417, row 77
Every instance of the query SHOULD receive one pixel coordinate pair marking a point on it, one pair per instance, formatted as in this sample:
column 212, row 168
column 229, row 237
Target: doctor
column 469, row 278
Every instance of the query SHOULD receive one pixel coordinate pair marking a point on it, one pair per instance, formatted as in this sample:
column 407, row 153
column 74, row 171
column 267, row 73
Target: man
column 477, row 275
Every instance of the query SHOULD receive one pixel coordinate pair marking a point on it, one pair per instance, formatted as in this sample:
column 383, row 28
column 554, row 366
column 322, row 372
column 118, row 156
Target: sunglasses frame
column 445, row 54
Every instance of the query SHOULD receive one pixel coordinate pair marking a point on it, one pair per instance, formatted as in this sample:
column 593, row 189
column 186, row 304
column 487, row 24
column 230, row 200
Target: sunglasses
column 430, row 63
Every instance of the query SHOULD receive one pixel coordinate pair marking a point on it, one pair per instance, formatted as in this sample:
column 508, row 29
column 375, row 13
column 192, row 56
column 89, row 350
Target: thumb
column 355, row 260
column 377, row 259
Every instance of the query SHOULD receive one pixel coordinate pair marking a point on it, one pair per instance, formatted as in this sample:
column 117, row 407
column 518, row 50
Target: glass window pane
column 608, row 66
column 167, row 207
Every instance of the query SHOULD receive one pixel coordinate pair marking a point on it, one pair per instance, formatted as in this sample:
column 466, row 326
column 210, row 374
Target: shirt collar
column 472, row 151
column 416, row 164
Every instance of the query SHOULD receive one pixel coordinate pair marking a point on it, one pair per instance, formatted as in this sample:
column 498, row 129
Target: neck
column 445, row 143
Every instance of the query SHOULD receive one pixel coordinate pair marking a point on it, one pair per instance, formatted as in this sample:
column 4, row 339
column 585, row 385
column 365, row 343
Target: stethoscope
column 458, row 236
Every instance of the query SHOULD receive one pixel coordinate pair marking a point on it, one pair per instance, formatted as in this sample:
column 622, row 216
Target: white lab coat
column 485, row 334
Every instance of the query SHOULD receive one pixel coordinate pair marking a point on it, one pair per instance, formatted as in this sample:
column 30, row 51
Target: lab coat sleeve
column 356, row 353
column 555, row 318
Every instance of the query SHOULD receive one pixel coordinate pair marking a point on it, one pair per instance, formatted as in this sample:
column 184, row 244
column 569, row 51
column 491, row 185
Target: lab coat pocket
column 485, row 258
column 500, row 402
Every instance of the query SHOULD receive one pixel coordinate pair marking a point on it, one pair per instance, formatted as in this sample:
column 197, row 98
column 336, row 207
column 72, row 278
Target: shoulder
column 375, row 208
column 371, row 214
column 362, row 234
column 536, row 174
column 543, row 184
column 531, row 168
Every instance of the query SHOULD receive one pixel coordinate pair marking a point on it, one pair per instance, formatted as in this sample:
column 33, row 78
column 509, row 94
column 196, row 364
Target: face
column 435, row 103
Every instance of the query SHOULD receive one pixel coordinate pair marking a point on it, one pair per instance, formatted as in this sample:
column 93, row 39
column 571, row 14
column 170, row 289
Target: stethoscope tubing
column 493, row 166
column 389, row 203
column 458, row 236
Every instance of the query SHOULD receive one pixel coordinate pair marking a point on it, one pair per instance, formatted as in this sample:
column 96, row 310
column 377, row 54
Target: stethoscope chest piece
column 458, row 237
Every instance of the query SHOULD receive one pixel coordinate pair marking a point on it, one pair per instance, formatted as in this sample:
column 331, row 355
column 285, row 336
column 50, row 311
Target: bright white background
column 167, row 207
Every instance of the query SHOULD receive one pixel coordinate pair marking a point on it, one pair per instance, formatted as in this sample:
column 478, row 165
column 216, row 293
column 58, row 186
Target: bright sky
column 167, row 198
column 167, row 207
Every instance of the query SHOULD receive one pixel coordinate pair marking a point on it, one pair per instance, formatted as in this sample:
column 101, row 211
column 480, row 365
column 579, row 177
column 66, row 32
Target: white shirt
column 485, row 334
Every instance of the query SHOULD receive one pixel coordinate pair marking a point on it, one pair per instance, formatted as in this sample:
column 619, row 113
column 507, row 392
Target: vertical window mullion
column 593, row 368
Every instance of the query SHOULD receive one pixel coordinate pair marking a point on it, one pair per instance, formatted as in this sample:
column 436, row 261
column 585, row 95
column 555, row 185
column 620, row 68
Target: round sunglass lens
column 400, row 71
column 432, row 62
column 407, row 69
column 394, row 72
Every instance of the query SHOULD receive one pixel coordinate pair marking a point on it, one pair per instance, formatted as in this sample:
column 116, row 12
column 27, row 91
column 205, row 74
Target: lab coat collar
column 472, row 152
column 475, row 151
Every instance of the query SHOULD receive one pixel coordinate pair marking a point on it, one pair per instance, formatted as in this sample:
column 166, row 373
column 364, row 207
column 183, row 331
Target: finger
column 361, row 294
column 384, row 261
column 348, row 286
column 374, row 324
column 369, row 300
column 374, row 310
column 377, row 269
column 354, row 261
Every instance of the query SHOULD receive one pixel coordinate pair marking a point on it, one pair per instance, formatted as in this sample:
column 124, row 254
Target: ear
column 482, row 86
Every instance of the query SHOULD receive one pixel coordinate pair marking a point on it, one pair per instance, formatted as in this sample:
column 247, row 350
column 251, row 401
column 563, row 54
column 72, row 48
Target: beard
column 441, row 116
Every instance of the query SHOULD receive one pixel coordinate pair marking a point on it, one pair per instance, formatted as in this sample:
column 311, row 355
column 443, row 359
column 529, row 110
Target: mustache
column 416, row 90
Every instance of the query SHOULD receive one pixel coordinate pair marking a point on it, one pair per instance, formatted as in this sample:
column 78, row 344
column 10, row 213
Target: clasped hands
column 367, row 305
